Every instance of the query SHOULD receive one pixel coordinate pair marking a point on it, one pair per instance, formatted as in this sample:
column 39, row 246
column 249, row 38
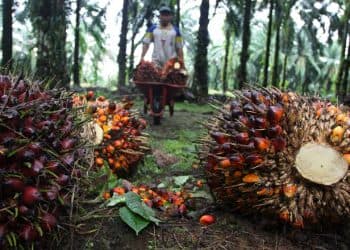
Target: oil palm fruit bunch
column 147, row 72
column 40, row 160
column 280, row 154
column 121, row 141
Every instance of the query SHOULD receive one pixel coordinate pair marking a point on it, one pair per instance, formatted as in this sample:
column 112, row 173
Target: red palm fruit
column 23, row 210
column 111, row 106
column 261, row 144
column 25, row 154
column 226, row 147
column 274, row 131
column 279, row 143
column 30, row 195
column 51, row 193
column 36, row 147
column 62, row 179
column 48, row 221
column 28, row 233
column 68, row 159
column 274, row 114
column 236, row 112
column 241, row 138
column 220, row 138
column 52, row 166
column 237, row 160
column 182, row 209
column 37, row 166
column 254, row 159
column 90, row 95
column 206, row 220
column 14, row 183
column 260, row 123
column 67, row 143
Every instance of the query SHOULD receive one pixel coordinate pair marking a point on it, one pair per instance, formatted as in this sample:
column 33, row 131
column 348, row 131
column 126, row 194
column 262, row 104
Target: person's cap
column 165, row 9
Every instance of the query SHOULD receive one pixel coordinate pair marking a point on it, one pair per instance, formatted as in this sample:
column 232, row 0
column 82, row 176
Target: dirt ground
column 173, row 144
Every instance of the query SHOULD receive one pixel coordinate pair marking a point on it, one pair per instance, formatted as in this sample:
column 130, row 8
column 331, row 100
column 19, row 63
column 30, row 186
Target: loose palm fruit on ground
column 294, row 156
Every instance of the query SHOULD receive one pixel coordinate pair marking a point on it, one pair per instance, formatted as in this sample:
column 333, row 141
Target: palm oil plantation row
column 299, row 45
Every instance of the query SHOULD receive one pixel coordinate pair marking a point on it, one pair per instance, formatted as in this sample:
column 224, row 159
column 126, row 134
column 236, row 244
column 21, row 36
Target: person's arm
column 147, row 39
column 144, row 50
column 180, row 54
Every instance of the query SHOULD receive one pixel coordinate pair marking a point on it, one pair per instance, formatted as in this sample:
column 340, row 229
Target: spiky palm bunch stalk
column 280, row 154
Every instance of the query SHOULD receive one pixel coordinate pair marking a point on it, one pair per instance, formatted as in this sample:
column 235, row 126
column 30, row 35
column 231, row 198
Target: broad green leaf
column 135, row 204
column 136, row 222
column 181, row 180
column 115, row 200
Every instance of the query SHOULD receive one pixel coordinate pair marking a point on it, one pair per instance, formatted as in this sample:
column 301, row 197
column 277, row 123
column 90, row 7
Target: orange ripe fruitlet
column 261, row 144
column 337, row 133
column 206, row 220
column 106, row 195
column 347, row 158
column 99, row 161
column 251, row 178
column 225, row 163
column 110, row 149
column 102, row 118
column 289, row 190
column 274, row 114
column 119, row 190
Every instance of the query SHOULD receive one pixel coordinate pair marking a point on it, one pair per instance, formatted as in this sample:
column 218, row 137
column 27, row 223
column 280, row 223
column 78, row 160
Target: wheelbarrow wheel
column 157, row 109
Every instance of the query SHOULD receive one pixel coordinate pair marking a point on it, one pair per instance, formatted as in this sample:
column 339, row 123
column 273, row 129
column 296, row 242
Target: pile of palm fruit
column 121, row 141
column 41, row 156
column 172, row 203
column 280, row 154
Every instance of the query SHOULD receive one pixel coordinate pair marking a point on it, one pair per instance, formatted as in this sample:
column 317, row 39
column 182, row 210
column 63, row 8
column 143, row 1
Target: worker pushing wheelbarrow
column 166, row 76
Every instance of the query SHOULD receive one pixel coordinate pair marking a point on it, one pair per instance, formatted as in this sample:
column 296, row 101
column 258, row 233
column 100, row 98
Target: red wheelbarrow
column 156, row 96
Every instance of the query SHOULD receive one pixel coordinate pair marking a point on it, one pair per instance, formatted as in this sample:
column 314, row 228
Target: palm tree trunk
column 268, row 43
column 284, row 71
column 346, row 72
column 123, row 44
column 6, row 41
column 201, row 61
column 76, row 65
column 49, row 24
column 242, row 71
column 341, row 61
column 227, row 51
column 277, row 47
column 178, row 17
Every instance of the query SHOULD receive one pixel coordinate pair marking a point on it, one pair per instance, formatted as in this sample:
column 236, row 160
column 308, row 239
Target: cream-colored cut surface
column 321, row 164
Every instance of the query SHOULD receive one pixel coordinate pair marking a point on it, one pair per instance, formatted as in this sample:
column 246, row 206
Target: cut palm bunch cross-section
column 280, row 154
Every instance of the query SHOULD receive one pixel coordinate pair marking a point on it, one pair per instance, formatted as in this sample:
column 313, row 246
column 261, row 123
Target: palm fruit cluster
column 280, row 154
column 172, row 203
column 121, row 143
column 174, row 72
column 147, row 72
column 40, row 160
